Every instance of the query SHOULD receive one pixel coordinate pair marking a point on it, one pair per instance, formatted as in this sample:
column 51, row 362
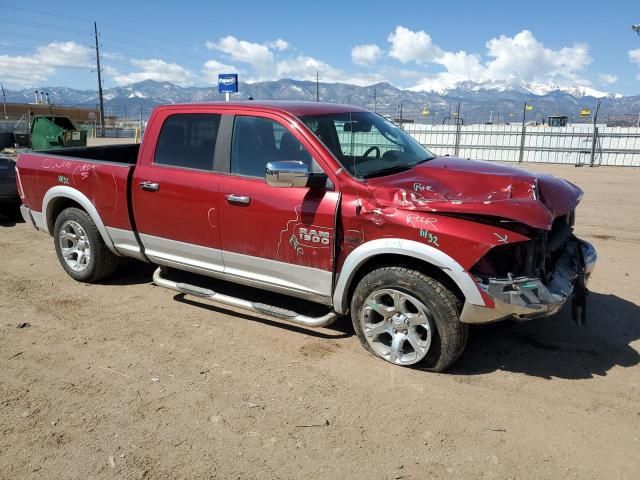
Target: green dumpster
column 49, row 132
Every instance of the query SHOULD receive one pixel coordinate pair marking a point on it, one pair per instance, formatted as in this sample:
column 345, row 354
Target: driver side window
column 257, row 141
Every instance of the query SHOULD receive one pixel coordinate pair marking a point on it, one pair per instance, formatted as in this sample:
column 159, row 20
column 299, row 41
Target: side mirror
column 287, row 173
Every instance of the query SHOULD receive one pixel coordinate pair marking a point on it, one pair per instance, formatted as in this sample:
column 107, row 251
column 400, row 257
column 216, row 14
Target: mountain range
column 477, row 104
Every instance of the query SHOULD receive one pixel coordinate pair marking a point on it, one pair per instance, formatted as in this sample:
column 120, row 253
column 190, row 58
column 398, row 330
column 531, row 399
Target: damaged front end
column 533, row 279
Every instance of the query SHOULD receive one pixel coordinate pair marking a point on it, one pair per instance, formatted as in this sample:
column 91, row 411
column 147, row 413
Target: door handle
column 238, row 199
column 150, row 186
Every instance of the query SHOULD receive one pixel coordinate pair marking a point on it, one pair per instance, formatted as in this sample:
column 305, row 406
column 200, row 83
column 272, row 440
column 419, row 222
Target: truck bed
column 127, row 153
column 99, row 174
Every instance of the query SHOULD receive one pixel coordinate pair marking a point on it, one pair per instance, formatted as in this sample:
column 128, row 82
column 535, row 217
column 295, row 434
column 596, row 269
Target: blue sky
column 413, row 44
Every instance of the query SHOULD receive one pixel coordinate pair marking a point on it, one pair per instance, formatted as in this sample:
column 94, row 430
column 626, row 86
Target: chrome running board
column 260, row 308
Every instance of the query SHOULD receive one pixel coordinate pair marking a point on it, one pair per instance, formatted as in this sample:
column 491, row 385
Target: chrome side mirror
column 287, row 173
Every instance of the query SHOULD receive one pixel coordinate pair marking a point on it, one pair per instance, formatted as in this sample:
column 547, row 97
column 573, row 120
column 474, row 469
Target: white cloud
column 510, row 61
column 524, row 57
column 23, row 71
column 255, row 54
column 278, row 44
column 269, row 61
column 305, row 68
column 29, row 70
column 634, row 57
column 366, row 54
column 212, row 68
column 505, row 61
column 65, row 54
column 607, row 78
column 111, row 55
column 410, row 46
column 154, row 69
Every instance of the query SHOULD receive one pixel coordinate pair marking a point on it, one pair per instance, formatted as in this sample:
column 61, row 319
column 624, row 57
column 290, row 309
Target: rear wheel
column 407, row 318
column 80, row 248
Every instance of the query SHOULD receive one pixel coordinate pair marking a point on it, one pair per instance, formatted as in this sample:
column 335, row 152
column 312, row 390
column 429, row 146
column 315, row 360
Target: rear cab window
column 188, row 141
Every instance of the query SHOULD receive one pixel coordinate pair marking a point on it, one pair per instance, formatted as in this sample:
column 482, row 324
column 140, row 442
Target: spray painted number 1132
column 431, row 238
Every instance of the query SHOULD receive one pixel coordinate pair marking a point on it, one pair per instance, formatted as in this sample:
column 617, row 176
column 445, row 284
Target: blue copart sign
column 228, row 83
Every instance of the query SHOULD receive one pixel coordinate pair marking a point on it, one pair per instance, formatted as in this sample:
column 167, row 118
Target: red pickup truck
column 324, row 202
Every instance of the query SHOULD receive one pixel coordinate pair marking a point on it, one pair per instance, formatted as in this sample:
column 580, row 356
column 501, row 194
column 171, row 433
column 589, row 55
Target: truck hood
column 456, row 185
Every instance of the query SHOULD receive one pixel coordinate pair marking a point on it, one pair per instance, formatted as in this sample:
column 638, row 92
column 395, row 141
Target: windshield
column 366, row 144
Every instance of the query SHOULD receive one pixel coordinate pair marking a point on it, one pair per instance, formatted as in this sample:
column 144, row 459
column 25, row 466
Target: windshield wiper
column 388, row 171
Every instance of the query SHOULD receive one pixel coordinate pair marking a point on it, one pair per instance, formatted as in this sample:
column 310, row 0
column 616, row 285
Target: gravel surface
column 128, row 380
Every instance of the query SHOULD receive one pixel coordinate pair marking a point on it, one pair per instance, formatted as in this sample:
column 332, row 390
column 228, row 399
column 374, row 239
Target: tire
column 396, row 309
column 85, row 258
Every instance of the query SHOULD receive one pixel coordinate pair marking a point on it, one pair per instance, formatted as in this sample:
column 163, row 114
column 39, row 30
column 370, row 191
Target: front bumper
column 527, row 298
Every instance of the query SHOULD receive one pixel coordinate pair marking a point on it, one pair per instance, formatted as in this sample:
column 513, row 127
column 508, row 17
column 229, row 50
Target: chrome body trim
column 407, row 248
column 174, row 253
column 529, row 298
column 307, row 280
column 285, row 278
column 126, row 243
column 26, row 215
column 67, row 192
column 39, row 221
column 262, row 309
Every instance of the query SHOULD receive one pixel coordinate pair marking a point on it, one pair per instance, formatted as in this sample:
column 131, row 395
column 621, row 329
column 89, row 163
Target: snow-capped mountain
column 577, row 91
column 535, row 88
column 478, row 102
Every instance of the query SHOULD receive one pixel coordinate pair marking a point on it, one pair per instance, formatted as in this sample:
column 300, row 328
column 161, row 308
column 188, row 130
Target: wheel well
column 394, row 260
column 58, row 205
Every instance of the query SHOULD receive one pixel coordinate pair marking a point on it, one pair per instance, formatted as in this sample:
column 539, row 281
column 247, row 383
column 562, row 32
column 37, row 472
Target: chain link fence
column 575, row 145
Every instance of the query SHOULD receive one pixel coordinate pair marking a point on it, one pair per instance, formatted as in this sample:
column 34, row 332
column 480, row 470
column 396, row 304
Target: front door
column 282, row 237
column 175, row 194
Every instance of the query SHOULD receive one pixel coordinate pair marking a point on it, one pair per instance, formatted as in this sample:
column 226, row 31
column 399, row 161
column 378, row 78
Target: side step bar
column 261, row 308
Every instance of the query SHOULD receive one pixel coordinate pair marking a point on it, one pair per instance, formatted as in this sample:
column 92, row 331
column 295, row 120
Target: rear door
column 175, row 191
column 282, row 237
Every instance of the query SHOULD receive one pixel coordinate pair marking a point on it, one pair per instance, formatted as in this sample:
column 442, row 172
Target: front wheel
column 80, row 248
column 408, row 318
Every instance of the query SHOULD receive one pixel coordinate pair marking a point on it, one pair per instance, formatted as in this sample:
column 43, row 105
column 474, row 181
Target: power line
column 48, row 26
column 29, row 35
column 41, row 12
column 95, row 29
column 134, row 38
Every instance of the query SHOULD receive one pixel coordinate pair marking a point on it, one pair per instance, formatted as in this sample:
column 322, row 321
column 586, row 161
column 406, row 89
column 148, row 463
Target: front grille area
column 536, row 257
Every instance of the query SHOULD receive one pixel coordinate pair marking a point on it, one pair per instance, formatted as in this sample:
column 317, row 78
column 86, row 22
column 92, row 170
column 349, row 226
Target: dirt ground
column 127, row 380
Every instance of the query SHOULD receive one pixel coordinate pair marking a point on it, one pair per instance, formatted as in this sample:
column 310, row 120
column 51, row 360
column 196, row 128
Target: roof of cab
column 291, row 107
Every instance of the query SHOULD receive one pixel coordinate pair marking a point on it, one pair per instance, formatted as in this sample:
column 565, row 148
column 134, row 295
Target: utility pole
column 4, row 102
column 458, row 131
column 95, row 29
column 375, row 99
column 317, row 86
column 139, row 136
column 524, row 130
column 595, row 134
